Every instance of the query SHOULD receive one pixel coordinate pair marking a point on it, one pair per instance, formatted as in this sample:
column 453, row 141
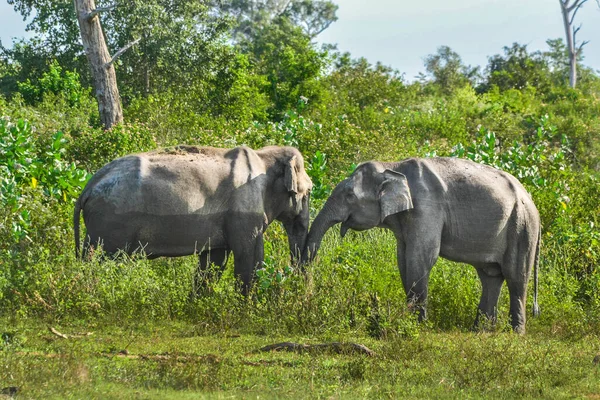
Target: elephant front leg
column 205, row 273
column 415, row 264
column 248, row 256
column 491, row 283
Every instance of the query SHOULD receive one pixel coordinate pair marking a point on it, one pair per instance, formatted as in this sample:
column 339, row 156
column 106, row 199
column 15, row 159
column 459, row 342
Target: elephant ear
column 291, row 178
column 394, row 194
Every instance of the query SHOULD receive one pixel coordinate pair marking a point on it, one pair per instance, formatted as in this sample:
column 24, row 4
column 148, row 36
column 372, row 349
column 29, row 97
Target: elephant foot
column 484, row 322
column 419, row 309
column 519, row 329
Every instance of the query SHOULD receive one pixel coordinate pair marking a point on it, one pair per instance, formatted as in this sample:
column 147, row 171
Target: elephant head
column 362, row 201
column 289, row 202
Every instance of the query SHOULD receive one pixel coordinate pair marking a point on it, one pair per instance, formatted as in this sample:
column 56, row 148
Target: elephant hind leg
column 518, row 297
column 516, row 271
column 94, row 246
column 205, row 273
column 491, row 284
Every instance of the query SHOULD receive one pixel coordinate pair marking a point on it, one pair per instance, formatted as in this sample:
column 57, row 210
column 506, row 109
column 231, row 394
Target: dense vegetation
column 259, row 79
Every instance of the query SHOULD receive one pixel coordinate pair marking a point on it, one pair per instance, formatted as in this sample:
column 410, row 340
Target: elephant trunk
column 297, row 231
column 331, row 214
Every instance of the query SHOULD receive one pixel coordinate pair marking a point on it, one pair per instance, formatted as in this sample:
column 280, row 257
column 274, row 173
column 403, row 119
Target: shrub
column 95, row 147
column 55, row 82
column 25, row 164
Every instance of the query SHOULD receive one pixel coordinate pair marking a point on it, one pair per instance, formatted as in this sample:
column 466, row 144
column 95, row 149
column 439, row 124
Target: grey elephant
column 448, row 207
column 188, row 199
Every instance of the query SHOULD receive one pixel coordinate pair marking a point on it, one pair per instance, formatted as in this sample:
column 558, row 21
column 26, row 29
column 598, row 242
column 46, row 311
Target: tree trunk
column 146, row 70
column 103, row 72
column 570, row 45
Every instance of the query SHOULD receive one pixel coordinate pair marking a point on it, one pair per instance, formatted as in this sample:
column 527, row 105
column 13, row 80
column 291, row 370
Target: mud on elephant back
column 197, row 200
column 448, row 207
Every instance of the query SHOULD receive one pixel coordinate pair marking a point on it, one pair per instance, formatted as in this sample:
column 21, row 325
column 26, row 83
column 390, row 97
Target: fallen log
column 335, row 347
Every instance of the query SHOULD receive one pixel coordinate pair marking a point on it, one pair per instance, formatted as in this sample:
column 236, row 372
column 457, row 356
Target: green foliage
column 95, row 147
column 518, row 69
column 361, row 92
column 313, row 16
column 30, row 59
column 447, row 70
column 317, row 170
column 55, row 82
column 190, row 81
column 290, row 62
column 25, row 164
column 528, row 163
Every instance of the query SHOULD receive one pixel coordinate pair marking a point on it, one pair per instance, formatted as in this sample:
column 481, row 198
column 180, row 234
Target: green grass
column 172, row 360
column 208, row 348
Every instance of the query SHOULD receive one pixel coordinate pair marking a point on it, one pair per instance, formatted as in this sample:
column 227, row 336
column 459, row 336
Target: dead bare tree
column 101, row 63
column 569, row 9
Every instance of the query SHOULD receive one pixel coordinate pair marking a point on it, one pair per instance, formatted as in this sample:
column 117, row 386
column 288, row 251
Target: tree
column 183, row 44
column 283, row 53
column 517, row 69
column 60, row 24
column 313, row 16
column 26, row 60
column 356, row 85
column 448, row 71
column 101, row 63
column 569, row 10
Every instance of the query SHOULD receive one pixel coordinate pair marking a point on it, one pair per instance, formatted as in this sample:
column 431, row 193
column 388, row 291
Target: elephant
column 188, row 200
column 443, row 207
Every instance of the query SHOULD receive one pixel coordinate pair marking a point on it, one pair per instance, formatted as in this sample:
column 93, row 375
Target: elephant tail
column 76, row 220
column 536, row 307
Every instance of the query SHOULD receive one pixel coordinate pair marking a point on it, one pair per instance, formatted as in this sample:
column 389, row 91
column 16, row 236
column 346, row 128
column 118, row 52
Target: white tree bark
column 101, row 63
column 569, row 9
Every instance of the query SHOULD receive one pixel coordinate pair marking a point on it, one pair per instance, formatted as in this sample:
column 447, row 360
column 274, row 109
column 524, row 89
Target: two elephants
column 187, row 200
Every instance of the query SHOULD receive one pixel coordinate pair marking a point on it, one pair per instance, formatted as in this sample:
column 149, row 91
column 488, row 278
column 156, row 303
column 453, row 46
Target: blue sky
column 401, row 33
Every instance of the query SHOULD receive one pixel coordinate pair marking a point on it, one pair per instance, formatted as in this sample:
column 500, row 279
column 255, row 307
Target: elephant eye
column 350, row 196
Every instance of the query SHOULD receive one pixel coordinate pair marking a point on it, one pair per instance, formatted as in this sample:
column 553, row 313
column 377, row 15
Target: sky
column 401, row 33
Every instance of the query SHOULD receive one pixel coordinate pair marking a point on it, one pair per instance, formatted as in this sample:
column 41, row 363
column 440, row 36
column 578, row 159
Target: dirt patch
column 184, row 149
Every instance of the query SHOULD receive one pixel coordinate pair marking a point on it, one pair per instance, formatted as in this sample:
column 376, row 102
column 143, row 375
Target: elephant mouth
column 349, row 223
column 344, row 228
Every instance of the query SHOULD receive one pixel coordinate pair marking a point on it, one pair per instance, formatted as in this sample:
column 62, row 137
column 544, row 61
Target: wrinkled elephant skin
column 448, row 207
column 198, row 200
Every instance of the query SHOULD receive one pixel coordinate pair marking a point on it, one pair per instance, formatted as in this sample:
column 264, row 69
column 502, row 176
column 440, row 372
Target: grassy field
column 172, row 360
column 210, row 347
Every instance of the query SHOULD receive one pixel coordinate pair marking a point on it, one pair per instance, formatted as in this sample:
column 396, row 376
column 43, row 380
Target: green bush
column 24, row 165
column 95, row 147
column 55, row 82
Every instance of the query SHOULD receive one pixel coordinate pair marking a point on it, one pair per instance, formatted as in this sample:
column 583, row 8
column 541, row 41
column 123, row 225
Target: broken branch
column 64, row 336
column 577, row 7
column 121, row 51
column 580, row 48
column 98, row 10
column 336, row 347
